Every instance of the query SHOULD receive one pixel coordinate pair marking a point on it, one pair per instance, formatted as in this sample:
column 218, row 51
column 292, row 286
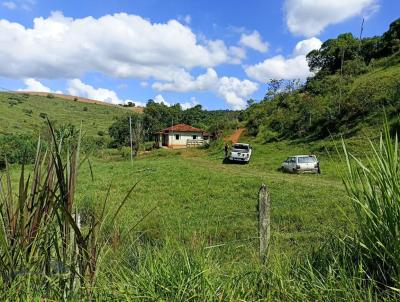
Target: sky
column 215, row 53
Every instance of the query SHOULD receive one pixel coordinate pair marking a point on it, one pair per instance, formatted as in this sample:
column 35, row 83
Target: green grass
column 205, row 205
column 20, row 114
column 200, row 242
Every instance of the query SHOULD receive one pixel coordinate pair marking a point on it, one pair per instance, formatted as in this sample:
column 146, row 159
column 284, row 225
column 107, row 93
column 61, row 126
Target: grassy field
column 189, row 230
column 200, row 240
column 203, row 202
column 20, row 114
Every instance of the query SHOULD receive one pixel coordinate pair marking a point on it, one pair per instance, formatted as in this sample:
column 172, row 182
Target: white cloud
column 305, row 46
column 119, row 45
column 19, row 4
column 160, row 100
column 33, row 85
column 193, row 102
column 9, row 5
column 280, row 67
column 77, row 88
column 310, row 17
column 238, row 54
column 253, row 41
column 234, row 91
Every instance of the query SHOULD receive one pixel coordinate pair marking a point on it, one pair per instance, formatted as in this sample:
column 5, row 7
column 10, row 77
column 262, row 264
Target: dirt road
column 234, row 137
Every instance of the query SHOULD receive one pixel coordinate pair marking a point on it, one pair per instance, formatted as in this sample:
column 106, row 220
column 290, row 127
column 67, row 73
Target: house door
column 164, row 140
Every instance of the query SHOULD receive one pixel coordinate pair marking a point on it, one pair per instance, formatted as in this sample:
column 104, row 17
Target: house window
column 194, row 136
column 177, row 136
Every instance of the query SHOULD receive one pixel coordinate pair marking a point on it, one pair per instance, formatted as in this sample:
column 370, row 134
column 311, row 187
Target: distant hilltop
column 80, row 99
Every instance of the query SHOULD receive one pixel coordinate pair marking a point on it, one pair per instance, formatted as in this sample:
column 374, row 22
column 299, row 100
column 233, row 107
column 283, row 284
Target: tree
column 333, row 52
column 391, row 39
column 158, row 116
column 274, row 87
column 250, row 102
column 119, row 131
column 193, row 116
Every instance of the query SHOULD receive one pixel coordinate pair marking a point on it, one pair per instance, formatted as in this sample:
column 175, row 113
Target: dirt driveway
column 234, row 137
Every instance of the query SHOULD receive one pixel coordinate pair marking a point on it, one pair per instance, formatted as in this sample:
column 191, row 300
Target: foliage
column 44, row 249
column 17, row 148
column 335, row 52
column 374, row 188
column 354, row 81
column 120, row 133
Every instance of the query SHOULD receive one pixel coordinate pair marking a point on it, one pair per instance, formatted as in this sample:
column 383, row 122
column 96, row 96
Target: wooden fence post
column 264, row 220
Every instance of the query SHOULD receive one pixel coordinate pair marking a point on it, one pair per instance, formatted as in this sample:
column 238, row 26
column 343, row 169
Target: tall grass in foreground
column 374, row 188
column 45, row 251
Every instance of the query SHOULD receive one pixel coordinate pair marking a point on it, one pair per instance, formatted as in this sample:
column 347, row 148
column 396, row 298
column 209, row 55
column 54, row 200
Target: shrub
column 85, row 108
column 50, row 96
column 28, row 111
column 126, row 152
column 92, row 144
column 17, row 149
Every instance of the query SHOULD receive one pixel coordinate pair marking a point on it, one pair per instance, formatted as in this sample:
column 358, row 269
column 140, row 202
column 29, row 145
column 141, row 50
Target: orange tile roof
column 182, row 128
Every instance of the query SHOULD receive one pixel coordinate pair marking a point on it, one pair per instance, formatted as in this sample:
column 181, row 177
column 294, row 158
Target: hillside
column 356, row 83
column 25, row 113
column 78, row 99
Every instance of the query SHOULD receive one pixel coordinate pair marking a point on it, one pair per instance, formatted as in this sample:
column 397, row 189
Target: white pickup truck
column 240, row 152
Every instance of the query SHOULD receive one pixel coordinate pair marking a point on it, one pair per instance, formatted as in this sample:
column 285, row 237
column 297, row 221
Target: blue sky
column 214, row 53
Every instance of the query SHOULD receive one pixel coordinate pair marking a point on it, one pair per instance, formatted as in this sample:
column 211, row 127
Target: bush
column 85, row 108
column 18, row 149
column 50, row 96
column 92, row 144
column 126, row 152
column 28, row 111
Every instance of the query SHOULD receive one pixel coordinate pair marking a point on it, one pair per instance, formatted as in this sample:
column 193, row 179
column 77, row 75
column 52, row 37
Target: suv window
column 240, row 147
column 306, row 160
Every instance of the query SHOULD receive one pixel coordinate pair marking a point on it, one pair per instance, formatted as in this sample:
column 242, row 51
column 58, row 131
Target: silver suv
column 301, row 164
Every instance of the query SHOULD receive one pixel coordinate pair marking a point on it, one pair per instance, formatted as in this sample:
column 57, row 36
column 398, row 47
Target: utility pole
column 172, row 136
column 130, row 138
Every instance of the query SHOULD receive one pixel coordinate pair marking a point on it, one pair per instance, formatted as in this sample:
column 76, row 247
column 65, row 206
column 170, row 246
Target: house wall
column 183, row 137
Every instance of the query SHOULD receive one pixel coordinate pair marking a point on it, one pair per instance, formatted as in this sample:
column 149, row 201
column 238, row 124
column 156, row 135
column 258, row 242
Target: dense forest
column 356, row 80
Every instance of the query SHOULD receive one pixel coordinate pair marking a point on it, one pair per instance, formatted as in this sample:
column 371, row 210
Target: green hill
column 25, row 114
column 356, row 83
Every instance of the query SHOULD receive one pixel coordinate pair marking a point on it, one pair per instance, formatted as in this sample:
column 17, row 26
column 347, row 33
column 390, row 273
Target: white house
column 181, row 136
